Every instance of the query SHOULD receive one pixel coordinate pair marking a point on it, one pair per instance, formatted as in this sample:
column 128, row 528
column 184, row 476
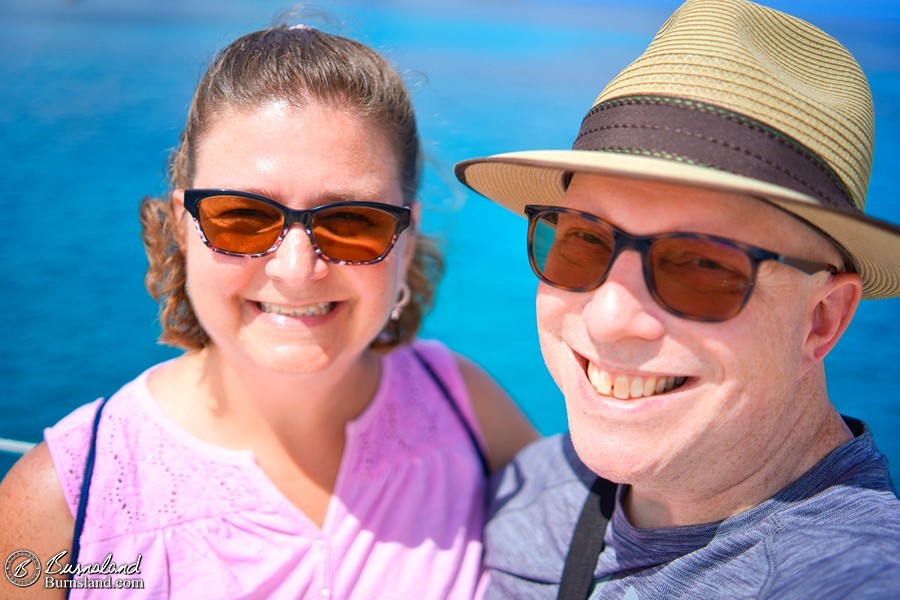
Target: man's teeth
column 310, row 310
column 624, row 387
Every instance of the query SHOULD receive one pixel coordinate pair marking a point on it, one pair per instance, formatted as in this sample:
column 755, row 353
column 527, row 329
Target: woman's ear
column 176, row 205
column 413, row 233
column 834, row 304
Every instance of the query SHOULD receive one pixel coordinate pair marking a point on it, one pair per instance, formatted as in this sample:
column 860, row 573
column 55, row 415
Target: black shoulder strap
column 587, row 542
column 85, row 490
column 482, row 457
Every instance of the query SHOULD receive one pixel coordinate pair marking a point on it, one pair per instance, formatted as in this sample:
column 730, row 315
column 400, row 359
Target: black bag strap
column 85, row 491
column 587, row 542
column 482, row 456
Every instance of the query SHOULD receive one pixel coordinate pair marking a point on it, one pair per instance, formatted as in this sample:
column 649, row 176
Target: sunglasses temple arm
column 807, row 266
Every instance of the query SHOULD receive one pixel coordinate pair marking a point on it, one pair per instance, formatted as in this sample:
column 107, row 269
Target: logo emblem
column 22, row 568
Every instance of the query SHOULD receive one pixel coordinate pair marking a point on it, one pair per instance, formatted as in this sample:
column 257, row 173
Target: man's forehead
column 644, row 207
column 663, row 201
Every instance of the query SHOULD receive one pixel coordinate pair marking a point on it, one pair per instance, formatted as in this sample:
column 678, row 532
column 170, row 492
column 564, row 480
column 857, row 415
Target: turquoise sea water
column 94, row 94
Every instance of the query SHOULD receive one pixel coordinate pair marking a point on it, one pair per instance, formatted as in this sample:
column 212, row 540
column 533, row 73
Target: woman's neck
column 231, row 404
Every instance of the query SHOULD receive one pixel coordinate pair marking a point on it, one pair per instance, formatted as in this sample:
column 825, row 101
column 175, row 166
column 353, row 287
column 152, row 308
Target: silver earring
column 402, row 301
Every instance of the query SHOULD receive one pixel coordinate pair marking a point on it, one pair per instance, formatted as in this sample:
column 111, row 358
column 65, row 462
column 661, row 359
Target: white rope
column 15, row 446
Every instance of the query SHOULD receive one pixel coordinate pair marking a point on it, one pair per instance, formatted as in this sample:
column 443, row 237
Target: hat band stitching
column 729, row 145
column 712, row 109
column 657, row 154
column 662, row 126
column 688, row 104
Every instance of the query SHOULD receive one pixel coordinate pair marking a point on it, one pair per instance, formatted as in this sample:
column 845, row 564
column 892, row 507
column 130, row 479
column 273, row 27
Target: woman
column 304, row 445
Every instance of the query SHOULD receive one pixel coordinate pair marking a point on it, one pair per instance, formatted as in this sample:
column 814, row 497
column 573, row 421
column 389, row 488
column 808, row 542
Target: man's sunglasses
column 245, row 224
column 691, row 275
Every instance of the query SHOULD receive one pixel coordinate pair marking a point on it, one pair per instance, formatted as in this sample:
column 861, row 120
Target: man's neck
column 706, row 493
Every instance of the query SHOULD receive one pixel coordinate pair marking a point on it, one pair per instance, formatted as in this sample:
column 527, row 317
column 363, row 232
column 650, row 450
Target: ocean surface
column 94, row 94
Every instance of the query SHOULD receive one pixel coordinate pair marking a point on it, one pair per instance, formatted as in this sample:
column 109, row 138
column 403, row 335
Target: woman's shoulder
column 149, row 473
column 39, row 495
column 498, row 420
column 434, row 352
column 127, row 425
column 31, row 481
column 68, row 440
column 33, row 512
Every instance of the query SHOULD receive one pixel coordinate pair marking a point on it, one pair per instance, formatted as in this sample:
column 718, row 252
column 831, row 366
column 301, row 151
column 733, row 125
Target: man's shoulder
column 858, row 560
column 843, row 541
column 535, row 502
column 856, row 518
column 546, row 468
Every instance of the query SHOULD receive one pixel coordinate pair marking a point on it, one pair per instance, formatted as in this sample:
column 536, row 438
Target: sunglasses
column 245, row 224
column 691, row 275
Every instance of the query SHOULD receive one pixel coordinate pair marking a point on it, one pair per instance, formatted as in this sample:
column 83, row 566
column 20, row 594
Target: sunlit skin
column 752, row 414
column 302, row 158
column 288, row 321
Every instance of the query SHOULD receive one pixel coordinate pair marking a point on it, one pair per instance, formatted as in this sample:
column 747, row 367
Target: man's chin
column 611, row 456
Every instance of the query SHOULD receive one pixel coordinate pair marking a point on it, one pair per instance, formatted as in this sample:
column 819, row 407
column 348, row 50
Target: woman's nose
column 295, row 259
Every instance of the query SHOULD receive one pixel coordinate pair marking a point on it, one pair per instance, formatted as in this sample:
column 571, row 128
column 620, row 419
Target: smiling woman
column 305, row 442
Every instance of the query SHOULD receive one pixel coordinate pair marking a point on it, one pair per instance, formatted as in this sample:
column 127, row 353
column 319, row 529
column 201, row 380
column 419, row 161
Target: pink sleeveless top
column 404, row 520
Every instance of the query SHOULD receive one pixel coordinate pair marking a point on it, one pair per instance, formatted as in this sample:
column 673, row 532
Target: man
column 701, row 249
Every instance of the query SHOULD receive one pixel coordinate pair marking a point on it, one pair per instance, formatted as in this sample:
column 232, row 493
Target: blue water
column 94, row 94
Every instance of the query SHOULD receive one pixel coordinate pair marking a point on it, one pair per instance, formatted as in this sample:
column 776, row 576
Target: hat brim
column 517, row 179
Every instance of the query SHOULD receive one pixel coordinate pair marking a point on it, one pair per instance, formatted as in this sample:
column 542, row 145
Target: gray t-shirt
column 833, row 533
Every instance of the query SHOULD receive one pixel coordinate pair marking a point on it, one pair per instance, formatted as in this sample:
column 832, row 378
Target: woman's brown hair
column 298, row 65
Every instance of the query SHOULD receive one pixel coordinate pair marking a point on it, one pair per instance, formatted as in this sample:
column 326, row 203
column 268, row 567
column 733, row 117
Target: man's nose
column 622, row 306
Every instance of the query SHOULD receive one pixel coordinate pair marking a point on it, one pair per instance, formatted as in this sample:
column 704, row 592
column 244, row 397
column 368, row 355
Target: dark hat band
column 700, row 134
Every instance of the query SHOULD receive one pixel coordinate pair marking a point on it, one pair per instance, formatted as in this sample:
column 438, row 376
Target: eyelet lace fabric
column 406, row 512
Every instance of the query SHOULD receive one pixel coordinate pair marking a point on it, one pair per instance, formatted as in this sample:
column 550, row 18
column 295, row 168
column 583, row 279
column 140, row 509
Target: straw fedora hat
column 732, row 96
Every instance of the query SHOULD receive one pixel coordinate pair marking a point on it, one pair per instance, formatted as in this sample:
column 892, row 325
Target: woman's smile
column 309, row 310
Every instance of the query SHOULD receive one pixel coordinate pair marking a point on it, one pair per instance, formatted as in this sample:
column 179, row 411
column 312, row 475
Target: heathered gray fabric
column 834, row 533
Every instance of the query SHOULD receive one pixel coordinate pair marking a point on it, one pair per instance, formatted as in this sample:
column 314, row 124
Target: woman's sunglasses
column 691, row 275
column 245, row 224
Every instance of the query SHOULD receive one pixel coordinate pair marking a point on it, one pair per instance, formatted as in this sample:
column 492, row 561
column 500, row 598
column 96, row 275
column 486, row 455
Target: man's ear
column 834, row 304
